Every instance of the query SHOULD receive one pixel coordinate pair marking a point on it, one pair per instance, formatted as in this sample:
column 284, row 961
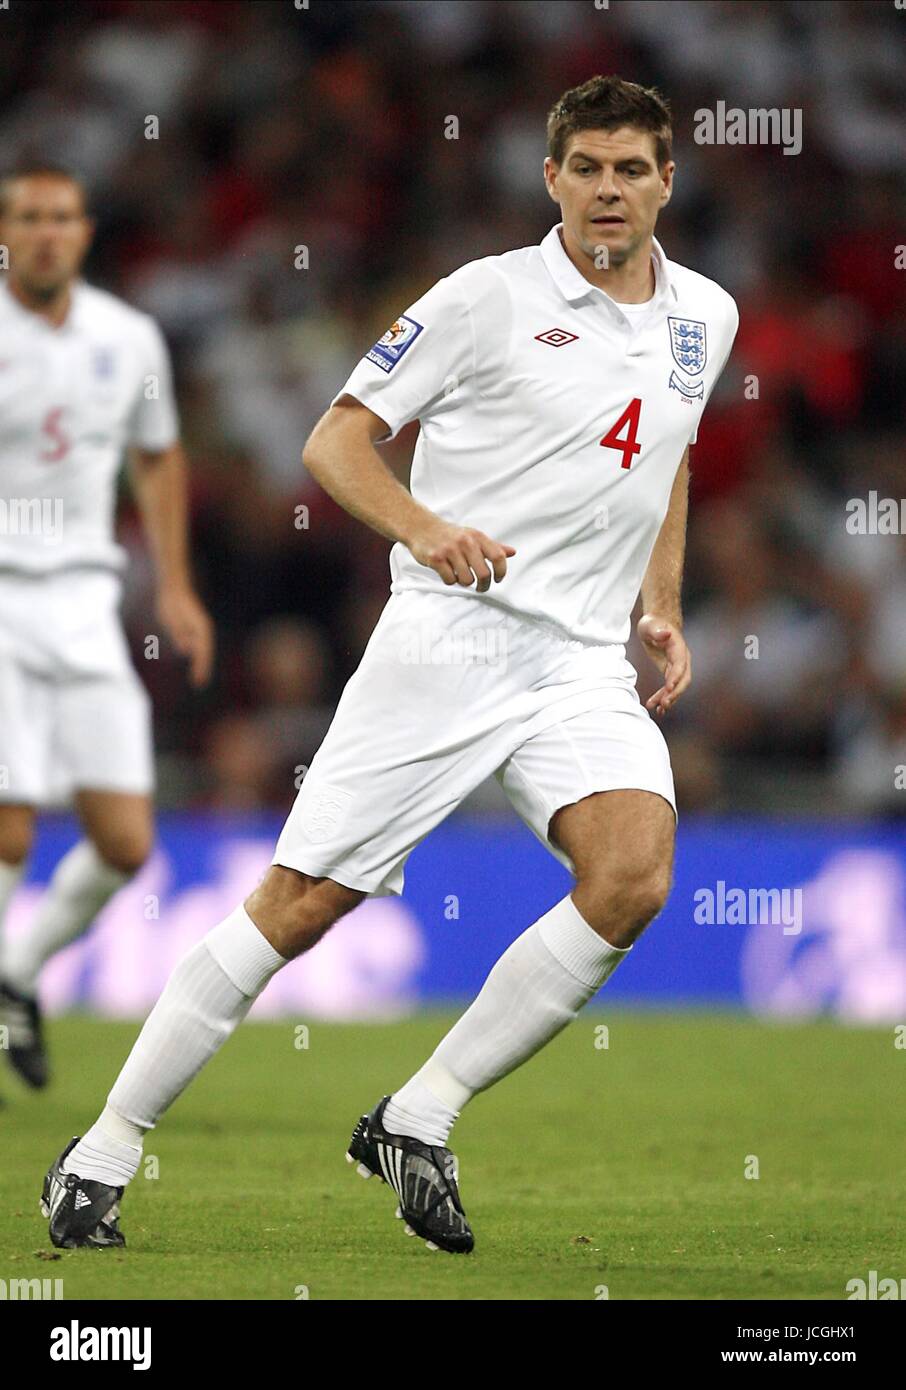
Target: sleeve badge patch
column 398, row 339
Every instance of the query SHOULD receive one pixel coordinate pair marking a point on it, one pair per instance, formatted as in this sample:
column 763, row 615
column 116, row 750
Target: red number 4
column 627, row 446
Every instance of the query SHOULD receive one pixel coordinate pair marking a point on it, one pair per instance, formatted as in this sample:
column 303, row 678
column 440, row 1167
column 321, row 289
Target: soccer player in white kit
column 82, row 376
column 557, row 388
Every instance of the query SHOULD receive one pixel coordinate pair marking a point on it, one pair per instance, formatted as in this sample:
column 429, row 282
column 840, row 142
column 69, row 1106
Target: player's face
column 610, row 190
column 47, row 232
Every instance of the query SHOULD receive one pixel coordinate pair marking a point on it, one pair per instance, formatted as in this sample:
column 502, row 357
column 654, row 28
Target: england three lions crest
column 689, row 345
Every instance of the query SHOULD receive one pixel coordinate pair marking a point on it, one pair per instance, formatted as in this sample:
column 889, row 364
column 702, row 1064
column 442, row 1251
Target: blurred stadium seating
column 323, row 127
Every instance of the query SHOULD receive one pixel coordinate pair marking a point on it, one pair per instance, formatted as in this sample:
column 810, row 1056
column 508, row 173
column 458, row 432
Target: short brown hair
column 606, row 103
column 37, row 169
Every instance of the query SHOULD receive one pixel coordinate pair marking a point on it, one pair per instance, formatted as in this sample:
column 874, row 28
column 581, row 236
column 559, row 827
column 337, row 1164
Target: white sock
column 536, row 988
column 10, row 877
column 110, row 1151
column 207, row 996
column 82, row 883
column 428, row 1106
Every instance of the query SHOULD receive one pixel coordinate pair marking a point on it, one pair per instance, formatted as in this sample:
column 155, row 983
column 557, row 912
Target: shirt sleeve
column 155, row 423
column 426, row 353
column 730, row 336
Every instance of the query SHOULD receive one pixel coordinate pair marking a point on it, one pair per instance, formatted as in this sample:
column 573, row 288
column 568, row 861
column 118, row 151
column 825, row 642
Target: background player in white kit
column 82, row 376
column 557, row 391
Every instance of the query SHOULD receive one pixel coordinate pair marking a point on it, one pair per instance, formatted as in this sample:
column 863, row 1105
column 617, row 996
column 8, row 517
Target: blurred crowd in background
column 281, row 127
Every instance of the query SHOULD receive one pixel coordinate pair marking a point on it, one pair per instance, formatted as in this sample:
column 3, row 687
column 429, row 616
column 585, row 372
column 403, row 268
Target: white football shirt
column 71, row 399
column 552, row 420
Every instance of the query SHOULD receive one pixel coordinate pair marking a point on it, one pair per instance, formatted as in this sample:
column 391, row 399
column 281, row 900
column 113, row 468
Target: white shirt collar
column 574, row 286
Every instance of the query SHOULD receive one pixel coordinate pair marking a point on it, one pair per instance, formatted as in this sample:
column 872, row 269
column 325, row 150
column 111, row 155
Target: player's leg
column 622, row 845
column 213, row 988
column 536, row 988
column 206, row 997
column 26, row 715
column 118, row 836
column 398, row 756
column 103, row 758
column 17, row 824
column 26, row 729
column 120, row 825
column 618, row 843
column 17, row 1012
column 549, row 972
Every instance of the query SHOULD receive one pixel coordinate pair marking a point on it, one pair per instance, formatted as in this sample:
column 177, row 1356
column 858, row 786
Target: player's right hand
column 461, row 555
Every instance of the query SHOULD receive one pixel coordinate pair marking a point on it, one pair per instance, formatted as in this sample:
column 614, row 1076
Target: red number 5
column 59, row 440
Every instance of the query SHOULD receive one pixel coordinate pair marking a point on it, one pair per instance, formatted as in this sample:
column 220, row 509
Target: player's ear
column 550, row 171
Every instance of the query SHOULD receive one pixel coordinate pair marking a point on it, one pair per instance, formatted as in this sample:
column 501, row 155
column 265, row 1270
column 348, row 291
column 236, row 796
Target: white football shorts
column 450, row 689
column 74, row 714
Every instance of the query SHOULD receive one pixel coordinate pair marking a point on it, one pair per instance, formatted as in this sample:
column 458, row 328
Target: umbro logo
column 556, row 337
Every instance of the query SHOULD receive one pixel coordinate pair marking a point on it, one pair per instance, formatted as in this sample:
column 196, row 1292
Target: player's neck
column 54, row 308
column 633, row 282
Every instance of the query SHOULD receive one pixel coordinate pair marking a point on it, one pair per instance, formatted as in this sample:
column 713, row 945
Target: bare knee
column 293, row 910
column 120, row 825
column 619, row 907
column 17, row 827
column 126, row 849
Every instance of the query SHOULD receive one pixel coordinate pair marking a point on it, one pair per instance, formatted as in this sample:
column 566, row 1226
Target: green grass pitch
column 592, row 1168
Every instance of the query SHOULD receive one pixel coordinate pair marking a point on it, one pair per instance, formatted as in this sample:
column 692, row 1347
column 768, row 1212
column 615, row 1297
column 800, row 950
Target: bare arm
column 664, row 576
column 341, row 456
column 660, row 628
column 160, row 485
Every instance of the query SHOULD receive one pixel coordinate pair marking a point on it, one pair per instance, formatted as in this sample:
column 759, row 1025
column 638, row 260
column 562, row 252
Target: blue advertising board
column 788, row 918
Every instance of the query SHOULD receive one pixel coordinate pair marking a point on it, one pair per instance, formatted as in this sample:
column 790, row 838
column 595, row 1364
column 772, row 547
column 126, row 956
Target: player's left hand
column 665, row 644
column 189, row 627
